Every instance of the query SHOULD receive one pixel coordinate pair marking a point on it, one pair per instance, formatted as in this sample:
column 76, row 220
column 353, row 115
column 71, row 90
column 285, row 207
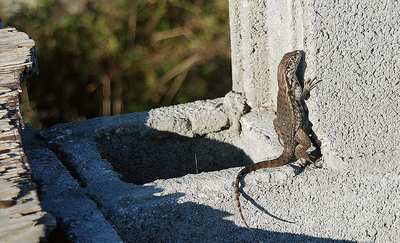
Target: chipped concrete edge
column 192, row 119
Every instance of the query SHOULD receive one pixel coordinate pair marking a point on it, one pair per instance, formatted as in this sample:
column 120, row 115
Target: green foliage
column 106, row 57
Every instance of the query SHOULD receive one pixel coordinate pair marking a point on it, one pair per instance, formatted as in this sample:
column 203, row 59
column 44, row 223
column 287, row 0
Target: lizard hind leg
column 316, row 153
column 314, row 140
column 303, row 144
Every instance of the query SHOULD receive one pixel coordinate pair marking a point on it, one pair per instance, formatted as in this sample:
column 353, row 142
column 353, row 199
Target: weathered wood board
column 21, row 216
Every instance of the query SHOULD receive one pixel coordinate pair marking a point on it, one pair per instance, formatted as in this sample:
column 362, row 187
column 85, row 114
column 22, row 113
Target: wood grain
column 21, row 216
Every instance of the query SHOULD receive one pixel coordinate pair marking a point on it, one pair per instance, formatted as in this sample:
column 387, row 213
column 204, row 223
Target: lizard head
column 289, row 65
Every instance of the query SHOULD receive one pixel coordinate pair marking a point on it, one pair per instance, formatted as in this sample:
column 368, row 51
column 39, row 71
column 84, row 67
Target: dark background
column 101, row 57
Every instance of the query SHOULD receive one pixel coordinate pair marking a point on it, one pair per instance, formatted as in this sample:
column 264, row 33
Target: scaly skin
column 291, row 123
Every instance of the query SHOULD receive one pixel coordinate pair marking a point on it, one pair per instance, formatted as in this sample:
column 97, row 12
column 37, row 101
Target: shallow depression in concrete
column 141, row 154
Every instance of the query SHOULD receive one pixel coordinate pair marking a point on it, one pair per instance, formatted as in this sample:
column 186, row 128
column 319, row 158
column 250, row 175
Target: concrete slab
column 328, row 204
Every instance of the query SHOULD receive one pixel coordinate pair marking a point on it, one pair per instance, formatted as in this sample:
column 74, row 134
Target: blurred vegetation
column 100, row 57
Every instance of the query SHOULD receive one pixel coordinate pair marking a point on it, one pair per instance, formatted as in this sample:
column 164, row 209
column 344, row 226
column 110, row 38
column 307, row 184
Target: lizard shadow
column 257, row 205
column 297, row 169
column 134, row 150
column 190, row 221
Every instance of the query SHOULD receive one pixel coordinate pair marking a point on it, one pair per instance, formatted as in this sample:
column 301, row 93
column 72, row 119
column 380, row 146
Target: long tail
column 280, row 161
column 241, row 173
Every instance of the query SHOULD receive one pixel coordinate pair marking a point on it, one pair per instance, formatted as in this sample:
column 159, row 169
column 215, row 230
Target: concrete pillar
column 261, row 32
column 353, row 46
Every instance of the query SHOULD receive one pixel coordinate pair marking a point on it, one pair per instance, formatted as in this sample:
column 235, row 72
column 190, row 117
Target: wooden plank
column 20, row 211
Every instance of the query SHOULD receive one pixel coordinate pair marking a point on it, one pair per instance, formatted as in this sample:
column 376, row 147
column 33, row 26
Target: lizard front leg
column 309, row 85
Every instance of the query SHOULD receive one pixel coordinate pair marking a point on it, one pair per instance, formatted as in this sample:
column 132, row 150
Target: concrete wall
column 261, row 32
column 353, row 46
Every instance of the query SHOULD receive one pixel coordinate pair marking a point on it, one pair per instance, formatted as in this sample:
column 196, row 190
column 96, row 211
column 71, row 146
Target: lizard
column 291, row 123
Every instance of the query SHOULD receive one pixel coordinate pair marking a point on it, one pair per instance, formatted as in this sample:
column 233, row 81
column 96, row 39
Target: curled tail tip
column 290, row 222
column 242, row 218
column 245, row 223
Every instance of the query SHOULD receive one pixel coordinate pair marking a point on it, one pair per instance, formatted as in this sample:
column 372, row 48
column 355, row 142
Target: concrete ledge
column 326, row 204
column 62, row 196
column 192, row 119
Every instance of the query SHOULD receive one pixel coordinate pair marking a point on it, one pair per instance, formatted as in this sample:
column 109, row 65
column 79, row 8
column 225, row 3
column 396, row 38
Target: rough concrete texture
column 261, row 33
column 357, row 106
column 197, row 118
column 166, row 142
column 61, row 195
column 327, row 205
column 258, row 135
column 351, row 46
column 190, row 120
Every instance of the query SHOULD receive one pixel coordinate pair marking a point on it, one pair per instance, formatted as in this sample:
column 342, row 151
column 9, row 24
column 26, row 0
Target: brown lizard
column 291, row 123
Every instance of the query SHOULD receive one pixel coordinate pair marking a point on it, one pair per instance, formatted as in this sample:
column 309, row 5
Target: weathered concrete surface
column 323, row 204
column 77, row 215
column 357, row 107
column 326, row 204
column 351, row 45
column 163, row 143
column 261, row 33
column 190, row 120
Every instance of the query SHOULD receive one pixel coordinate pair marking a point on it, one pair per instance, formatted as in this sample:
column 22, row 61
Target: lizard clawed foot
column 310, row 165
column 311, row 162
column 310, row 84
column 316, row 163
